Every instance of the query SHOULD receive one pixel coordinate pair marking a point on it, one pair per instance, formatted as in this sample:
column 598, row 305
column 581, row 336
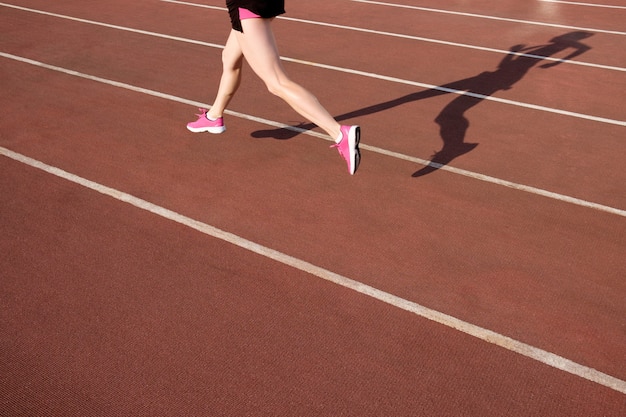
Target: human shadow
column 453, row 124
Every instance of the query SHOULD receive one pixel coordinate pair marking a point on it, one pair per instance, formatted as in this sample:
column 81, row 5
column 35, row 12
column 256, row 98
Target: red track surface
column 109, row 309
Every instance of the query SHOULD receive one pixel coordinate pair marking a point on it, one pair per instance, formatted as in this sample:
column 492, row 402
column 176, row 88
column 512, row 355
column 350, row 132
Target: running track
column 150, row 271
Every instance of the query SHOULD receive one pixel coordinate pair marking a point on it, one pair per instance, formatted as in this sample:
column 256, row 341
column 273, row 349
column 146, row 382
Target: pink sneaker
column 348, row 147
column 203, row 124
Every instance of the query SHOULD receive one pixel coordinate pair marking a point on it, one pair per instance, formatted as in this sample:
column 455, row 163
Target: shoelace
column 203, row 112
column 336, row 145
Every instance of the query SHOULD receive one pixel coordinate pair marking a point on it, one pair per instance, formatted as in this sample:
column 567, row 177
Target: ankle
column 337, row 136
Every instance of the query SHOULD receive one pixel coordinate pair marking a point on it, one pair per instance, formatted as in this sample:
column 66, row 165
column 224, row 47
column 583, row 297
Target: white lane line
column 111, row 26
column 312, row 22
column 381, row 151
column 481, row 16
column 576, row 3
column 464, row 93
column 366, row 74
column 483, row 334
column 420, row 39
column 456, row 44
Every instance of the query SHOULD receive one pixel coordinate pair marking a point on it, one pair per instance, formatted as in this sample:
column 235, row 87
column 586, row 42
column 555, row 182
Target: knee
column 279, row 87
column 274, row 88
column 231, row 62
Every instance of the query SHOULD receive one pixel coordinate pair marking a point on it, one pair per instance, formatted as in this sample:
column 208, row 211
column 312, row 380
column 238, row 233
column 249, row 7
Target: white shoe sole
column 214, row 130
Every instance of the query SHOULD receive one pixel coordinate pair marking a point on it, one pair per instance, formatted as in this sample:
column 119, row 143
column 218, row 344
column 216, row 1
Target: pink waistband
column 246, row 14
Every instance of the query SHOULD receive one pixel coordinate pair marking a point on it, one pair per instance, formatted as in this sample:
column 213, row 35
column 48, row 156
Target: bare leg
column 259, row 48
column 232, row 61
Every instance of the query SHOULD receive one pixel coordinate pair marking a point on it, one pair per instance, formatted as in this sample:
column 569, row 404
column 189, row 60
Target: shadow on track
column 452, row 122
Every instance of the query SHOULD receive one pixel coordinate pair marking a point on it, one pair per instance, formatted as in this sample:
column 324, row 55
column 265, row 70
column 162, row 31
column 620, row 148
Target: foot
column 204, row 124
column 348, row 147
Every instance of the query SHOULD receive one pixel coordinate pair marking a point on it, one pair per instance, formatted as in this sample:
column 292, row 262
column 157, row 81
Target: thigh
column 259, row 48
column 232, row 55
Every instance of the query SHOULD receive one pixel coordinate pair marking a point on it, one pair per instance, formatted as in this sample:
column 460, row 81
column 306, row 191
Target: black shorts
column 264, row 8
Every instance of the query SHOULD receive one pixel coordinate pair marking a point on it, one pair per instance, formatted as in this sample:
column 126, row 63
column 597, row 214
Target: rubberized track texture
column 473, row 266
